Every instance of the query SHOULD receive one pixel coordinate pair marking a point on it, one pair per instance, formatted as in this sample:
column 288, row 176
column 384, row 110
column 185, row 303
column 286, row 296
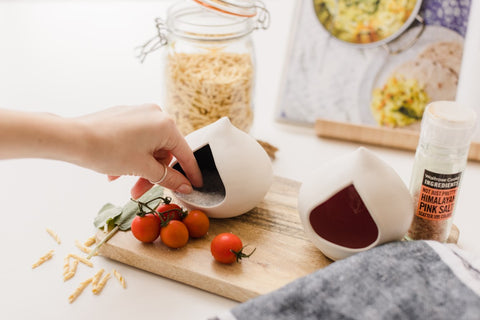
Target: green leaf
column 111, row 215
column 120, row 218
column 106, row 216
column 130, row 209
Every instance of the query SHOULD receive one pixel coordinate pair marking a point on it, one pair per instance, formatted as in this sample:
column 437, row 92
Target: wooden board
column 386, row 137
column 282, row 254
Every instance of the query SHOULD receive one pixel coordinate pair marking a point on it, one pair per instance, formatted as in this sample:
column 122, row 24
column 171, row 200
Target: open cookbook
column 365, row 70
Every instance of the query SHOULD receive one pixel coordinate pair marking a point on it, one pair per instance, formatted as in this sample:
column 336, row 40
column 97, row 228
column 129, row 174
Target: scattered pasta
column 70, row 266
column 71, row 271
column 89, row 242
column 82, row 247
column 54, row 235
column 43, row 258
column 101, row 284
column 81, row 259
column 79, row 290
column 96, row 277
column 120, row 278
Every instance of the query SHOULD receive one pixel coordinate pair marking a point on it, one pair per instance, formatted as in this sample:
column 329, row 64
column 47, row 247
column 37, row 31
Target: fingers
column 174, row 180
column 170, row 178
column 166, row 142
column 140, row 187
column 187, row 160
column 180, row 149
column 163, row 175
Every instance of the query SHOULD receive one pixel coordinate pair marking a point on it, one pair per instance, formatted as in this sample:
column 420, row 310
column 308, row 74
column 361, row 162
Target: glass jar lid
column 216, row 20
column 242, row 8
column 188, row 19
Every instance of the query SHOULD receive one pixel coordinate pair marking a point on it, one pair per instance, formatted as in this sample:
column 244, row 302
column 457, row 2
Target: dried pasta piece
column 89, row 242
column 43, row 258
column 99, row 287
column 54, row 235
column 66, row 266
column 72, row 270
column 82, row 248
column 79, row 290
column 81, row 259
column 96, row 278
column 120, row 278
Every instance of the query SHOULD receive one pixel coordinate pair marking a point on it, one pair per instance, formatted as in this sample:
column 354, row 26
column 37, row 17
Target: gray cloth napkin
column 399, row 280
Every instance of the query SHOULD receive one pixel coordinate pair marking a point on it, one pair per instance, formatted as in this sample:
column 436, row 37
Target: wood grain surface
column 282, row 254
column 403, row 139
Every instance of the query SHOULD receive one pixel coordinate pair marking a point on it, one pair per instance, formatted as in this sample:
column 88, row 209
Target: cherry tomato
column 174, row 234
column 146, row 228
column 228, row 248
column 197, row 223
column 169, row 211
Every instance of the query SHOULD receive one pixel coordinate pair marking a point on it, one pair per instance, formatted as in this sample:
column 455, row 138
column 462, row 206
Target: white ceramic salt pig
column 354, row 203
column 237, row 172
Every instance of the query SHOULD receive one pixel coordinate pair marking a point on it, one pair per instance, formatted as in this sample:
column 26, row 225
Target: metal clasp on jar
column 155, row 43
column 263, row 16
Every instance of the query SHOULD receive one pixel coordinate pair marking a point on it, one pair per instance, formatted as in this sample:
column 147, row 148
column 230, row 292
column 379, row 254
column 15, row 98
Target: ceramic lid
column 241, row 8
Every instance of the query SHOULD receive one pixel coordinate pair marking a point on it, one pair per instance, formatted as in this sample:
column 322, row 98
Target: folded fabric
column 399, row 280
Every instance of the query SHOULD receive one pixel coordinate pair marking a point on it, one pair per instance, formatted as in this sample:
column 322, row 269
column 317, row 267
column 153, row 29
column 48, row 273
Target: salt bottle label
column 437, row 195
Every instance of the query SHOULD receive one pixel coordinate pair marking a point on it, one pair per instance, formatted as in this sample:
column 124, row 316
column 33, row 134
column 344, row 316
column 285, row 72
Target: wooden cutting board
column 282, row 254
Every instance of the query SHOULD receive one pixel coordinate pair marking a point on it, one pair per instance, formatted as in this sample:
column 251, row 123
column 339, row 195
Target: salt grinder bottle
column 440, row 159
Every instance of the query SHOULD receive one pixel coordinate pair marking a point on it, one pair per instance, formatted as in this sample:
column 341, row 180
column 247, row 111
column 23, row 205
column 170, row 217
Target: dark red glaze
column 344, row 220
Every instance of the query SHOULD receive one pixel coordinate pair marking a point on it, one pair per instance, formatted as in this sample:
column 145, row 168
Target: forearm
column 123, row 140
column 40, row 135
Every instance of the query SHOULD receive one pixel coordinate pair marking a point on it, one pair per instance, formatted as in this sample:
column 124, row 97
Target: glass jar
column 209, row 61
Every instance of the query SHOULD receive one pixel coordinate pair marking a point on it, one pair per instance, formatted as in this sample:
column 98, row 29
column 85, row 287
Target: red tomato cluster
column 174, row 225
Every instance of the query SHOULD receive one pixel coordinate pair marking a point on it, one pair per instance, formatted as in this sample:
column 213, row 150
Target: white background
column 76, row 57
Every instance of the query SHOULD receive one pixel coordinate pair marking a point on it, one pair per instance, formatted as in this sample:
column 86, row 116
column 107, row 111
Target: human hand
column 139, row 141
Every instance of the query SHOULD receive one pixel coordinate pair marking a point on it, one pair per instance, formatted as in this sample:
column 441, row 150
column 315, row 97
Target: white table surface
column 76, row 57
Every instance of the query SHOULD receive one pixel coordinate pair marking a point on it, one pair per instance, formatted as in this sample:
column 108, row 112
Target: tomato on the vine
column 169, row 211
column 174, row 234
column 197, row 223
column 146, row 228
column 228, row 248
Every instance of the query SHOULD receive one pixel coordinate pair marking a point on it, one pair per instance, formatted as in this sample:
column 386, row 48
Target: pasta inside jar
column 202, row 87
column 208, row 69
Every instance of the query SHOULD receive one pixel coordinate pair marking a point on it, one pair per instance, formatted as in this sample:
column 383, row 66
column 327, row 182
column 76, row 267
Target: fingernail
column 184, row 188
